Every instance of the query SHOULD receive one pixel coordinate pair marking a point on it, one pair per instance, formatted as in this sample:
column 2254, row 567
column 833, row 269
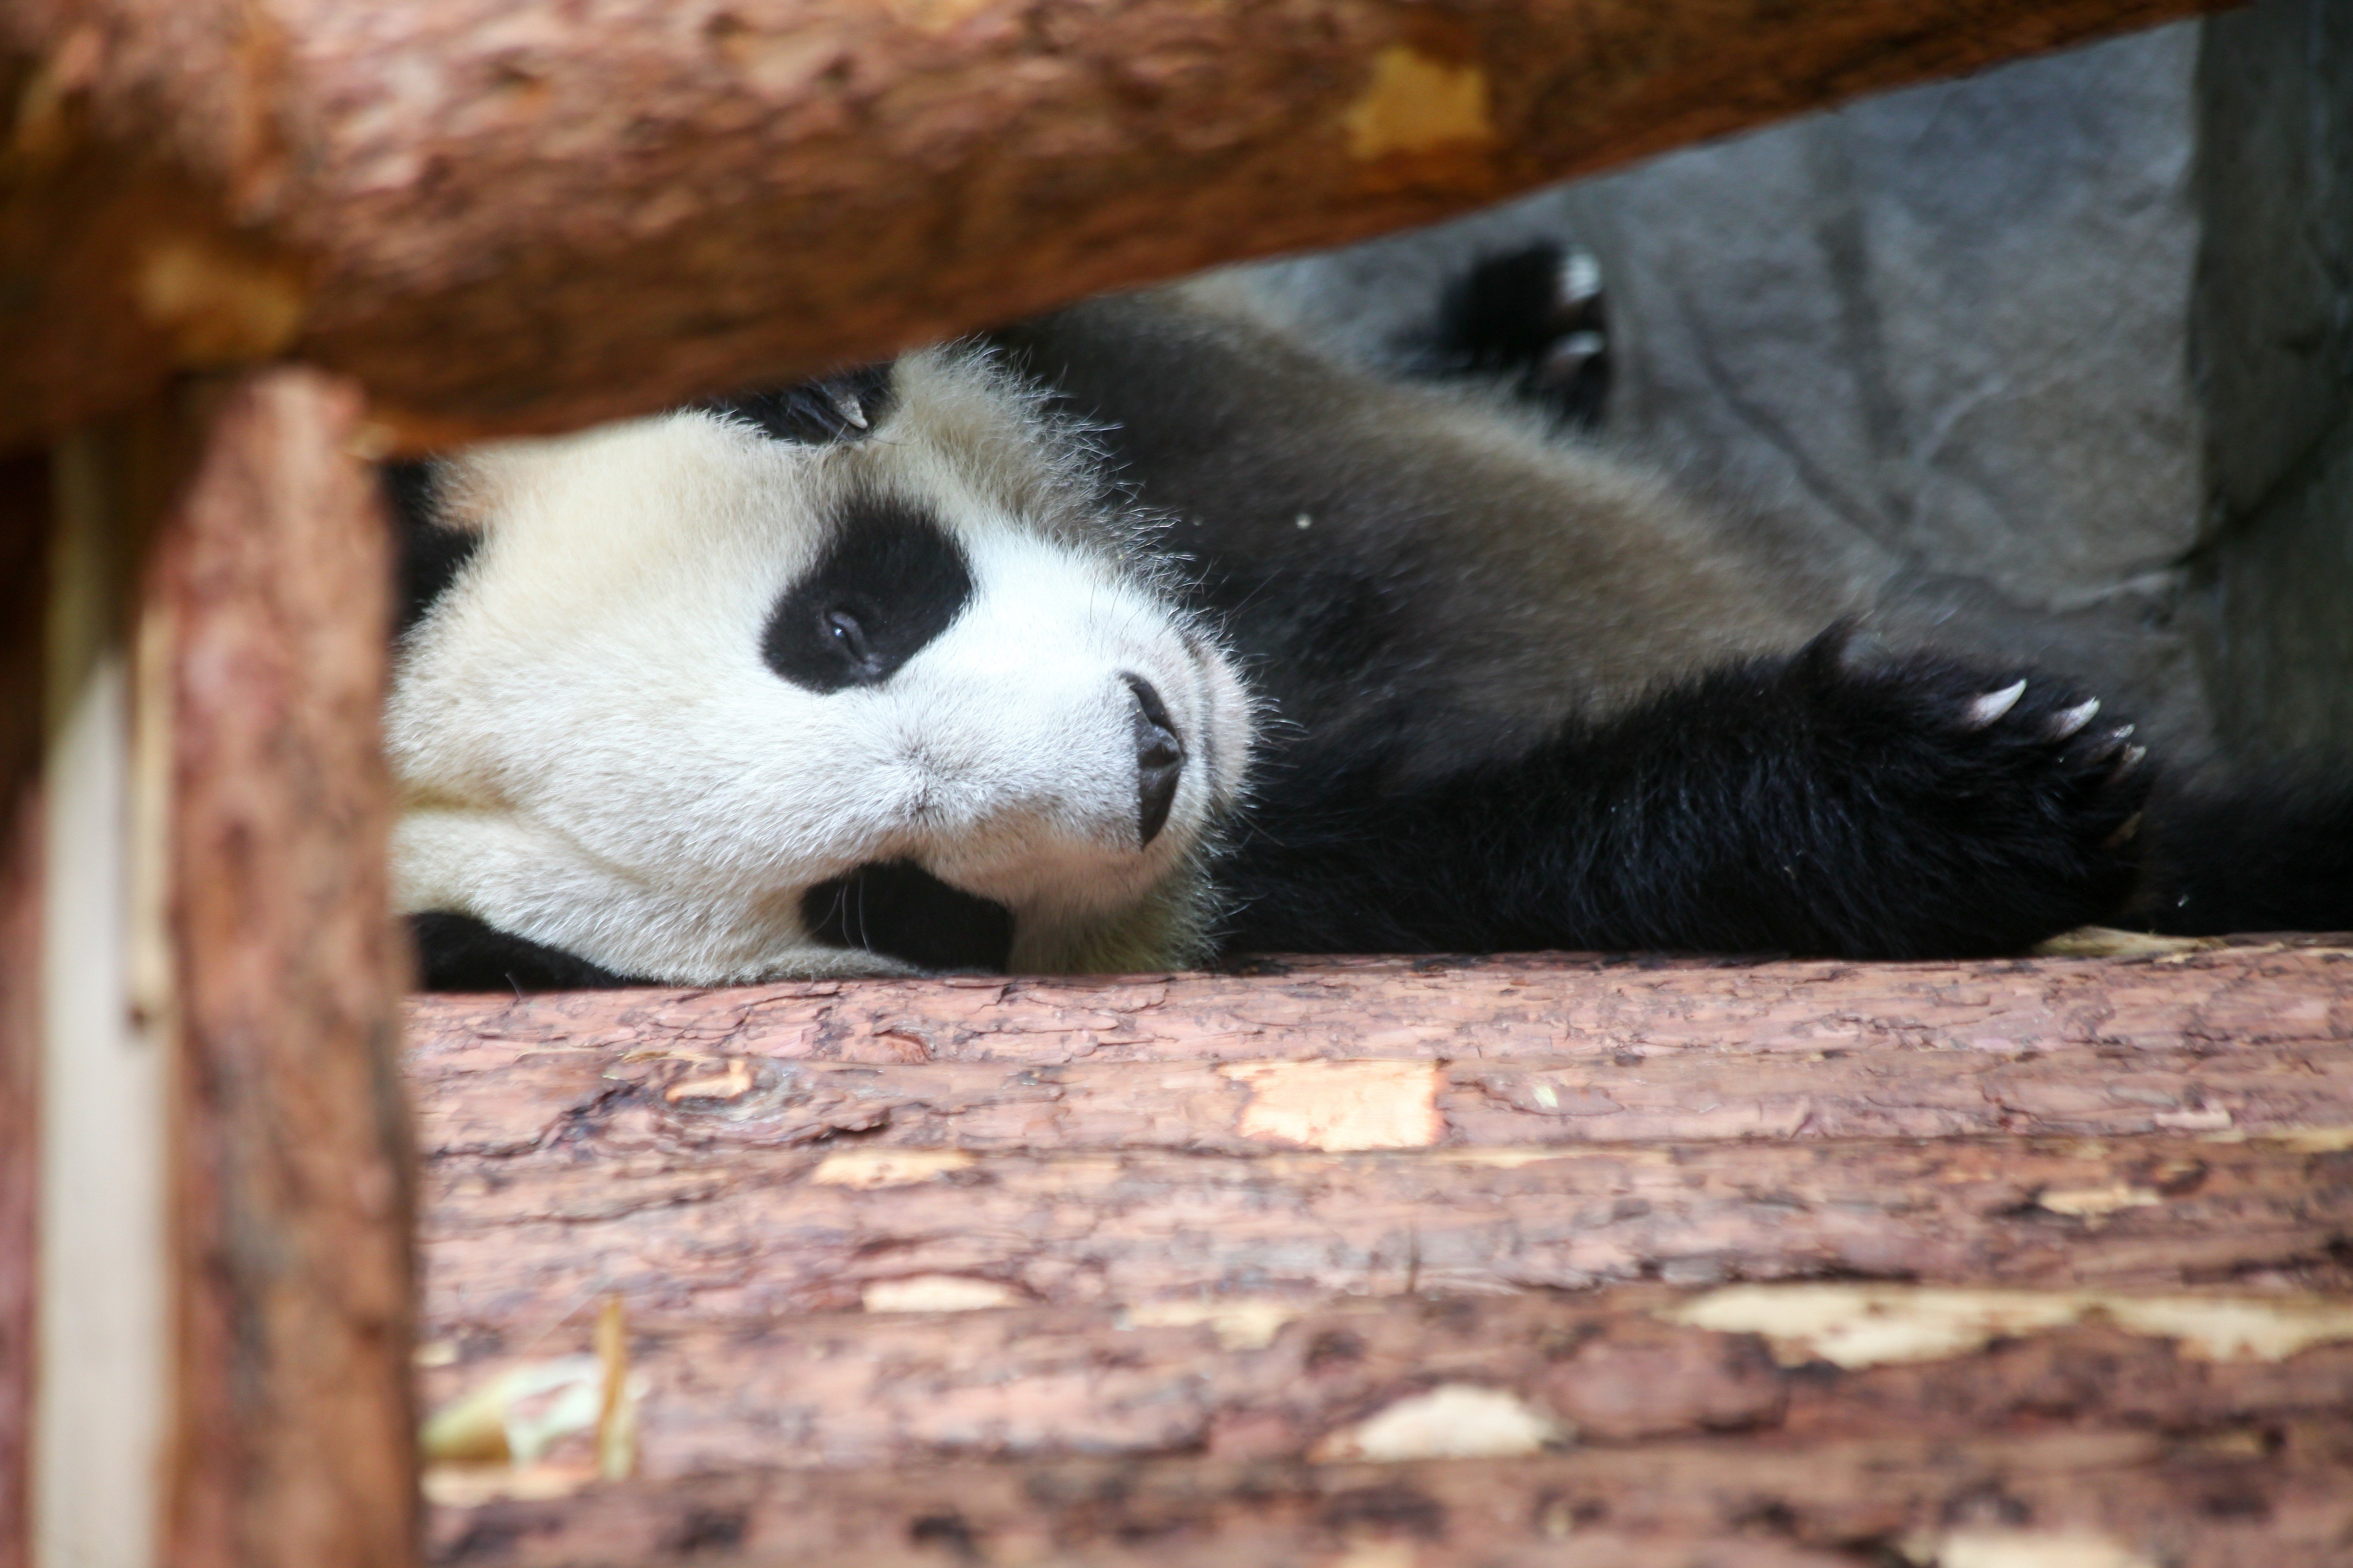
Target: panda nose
column 1160, row 759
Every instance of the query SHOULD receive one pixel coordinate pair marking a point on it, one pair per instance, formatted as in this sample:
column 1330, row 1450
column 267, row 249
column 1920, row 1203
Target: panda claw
column 2068, row 720
column 2123, row 834
column 1985, row 709
column 2133, row 754
column 846, row 402
column 1580, row 276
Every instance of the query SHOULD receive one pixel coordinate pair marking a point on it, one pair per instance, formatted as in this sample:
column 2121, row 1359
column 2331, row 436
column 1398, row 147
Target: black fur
column 1801, row 805
column 892, row 580
column 431, row 555
column 845, row 406
column 904, row 912
column 2270, row 857
column 459, row 953
column 1512, row 315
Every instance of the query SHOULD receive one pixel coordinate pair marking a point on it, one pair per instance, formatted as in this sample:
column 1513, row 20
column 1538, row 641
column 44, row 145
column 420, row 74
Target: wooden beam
column 503, row 217
column 292, row 1446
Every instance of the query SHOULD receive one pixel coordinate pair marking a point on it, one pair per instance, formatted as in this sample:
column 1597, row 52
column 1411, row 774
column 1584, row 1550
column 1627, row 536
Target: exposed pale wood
column 102, row 1392
column 502, row 215
column 25, row 506
column 1260, row 1380
column 290, row 1181
column 1564, row 1007
column 2279, row 1499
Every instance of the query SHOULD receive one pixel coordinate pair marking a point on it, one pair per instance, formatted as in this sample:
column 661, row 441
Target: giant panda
column 1145, row 633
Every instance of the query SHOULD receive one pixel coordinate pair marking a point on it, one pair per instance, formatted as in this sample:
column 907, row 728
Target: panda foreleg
column 1914, row 809
column 459, row 953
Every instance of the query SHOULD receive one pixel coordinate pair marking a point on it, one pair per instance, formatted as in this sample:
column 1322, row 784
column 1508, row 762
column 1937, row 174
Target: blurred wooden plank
column 2280, row 1497
column 268, row 597
column 610, row 212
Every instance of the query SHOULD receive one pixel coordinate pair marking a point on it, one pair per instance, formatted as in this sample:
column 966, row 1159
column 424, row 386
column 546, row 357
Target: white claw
column 2067, row 720
column 1580, row 277
column 1994, row 704
column 846, row 403
column 2133, row 754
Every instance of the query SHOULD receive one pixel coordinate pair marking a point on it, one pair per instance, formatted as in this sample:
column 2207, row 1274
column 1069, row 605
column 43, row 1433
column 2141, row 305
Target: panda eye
column 843, row 631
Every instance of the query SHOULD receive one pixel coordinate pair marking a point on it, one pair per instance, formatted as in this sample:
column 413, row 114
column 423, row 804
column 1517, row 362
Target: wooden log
column 715, row 1100
column 290, row 1178
column 2278, row 1498
column 1258, row 1379
column 1561, row 1007
column 757, row 1232
column 504, row 216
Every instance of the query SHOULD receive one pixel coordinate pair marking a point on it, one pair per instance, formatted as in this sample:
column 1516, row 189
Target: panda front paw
column 1989, row 810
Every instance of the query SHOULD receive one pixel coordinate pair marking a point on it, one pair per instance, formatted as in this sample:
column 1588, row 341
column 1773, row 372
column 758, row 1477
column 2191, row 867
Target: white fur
column 593, row 755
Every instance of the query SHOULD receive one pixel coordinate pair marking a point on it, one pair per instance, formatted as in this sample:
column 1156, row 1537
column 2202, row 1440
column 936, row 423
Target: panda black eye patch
column 890, row 581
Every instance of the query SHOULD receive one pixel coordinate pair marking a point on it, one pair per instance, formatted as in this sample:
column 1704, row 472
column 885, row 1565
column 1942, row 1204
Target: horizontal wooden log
column 1540, row 1007
column 715, row 1100
column 502, row 217
column 514, row 1241
column 2279, row 1498
column 1258, row 1379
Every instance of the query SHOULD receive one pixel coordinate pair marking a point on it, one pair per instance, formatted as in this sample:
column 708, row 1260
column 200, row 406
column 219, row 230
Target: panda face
column 709, row 705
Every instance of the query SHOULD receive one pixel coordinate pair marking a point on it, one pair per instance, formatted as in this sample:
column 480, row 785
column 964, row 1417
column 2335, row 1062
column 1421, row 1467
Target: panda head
column 863, row 678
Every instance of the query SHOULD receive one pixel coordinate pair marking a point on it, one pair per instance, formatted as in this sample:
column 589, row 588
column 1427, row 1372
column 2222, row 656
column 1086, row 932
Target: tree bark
column 2296, row 992
column 501, row 218
column 290, row 1182
column 1260, row 1379
column 1788, row 1263
column 2281, row 1498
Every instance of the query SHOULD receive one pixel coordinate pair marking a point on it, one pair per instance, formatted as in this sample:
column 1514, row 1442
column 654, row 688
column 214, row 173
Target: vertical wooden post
column 198, row 971
column 294, row 1445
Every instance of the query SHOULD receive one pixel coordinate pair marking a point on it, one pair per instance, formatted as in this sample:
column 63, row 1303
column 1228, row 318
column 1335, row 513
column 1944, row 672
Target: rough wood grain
column 291, row 1179
column 687, row 1233
column 2279, row 1498
column 1254, row 1379
column 1545, row 1007
column 23, row 544
column 499, row 1098
column 503, row 215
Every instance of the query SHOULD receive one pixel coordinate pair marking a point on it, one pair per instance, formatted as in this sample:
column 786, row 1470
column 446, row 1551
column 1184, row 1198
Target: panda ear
column 845, row 406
